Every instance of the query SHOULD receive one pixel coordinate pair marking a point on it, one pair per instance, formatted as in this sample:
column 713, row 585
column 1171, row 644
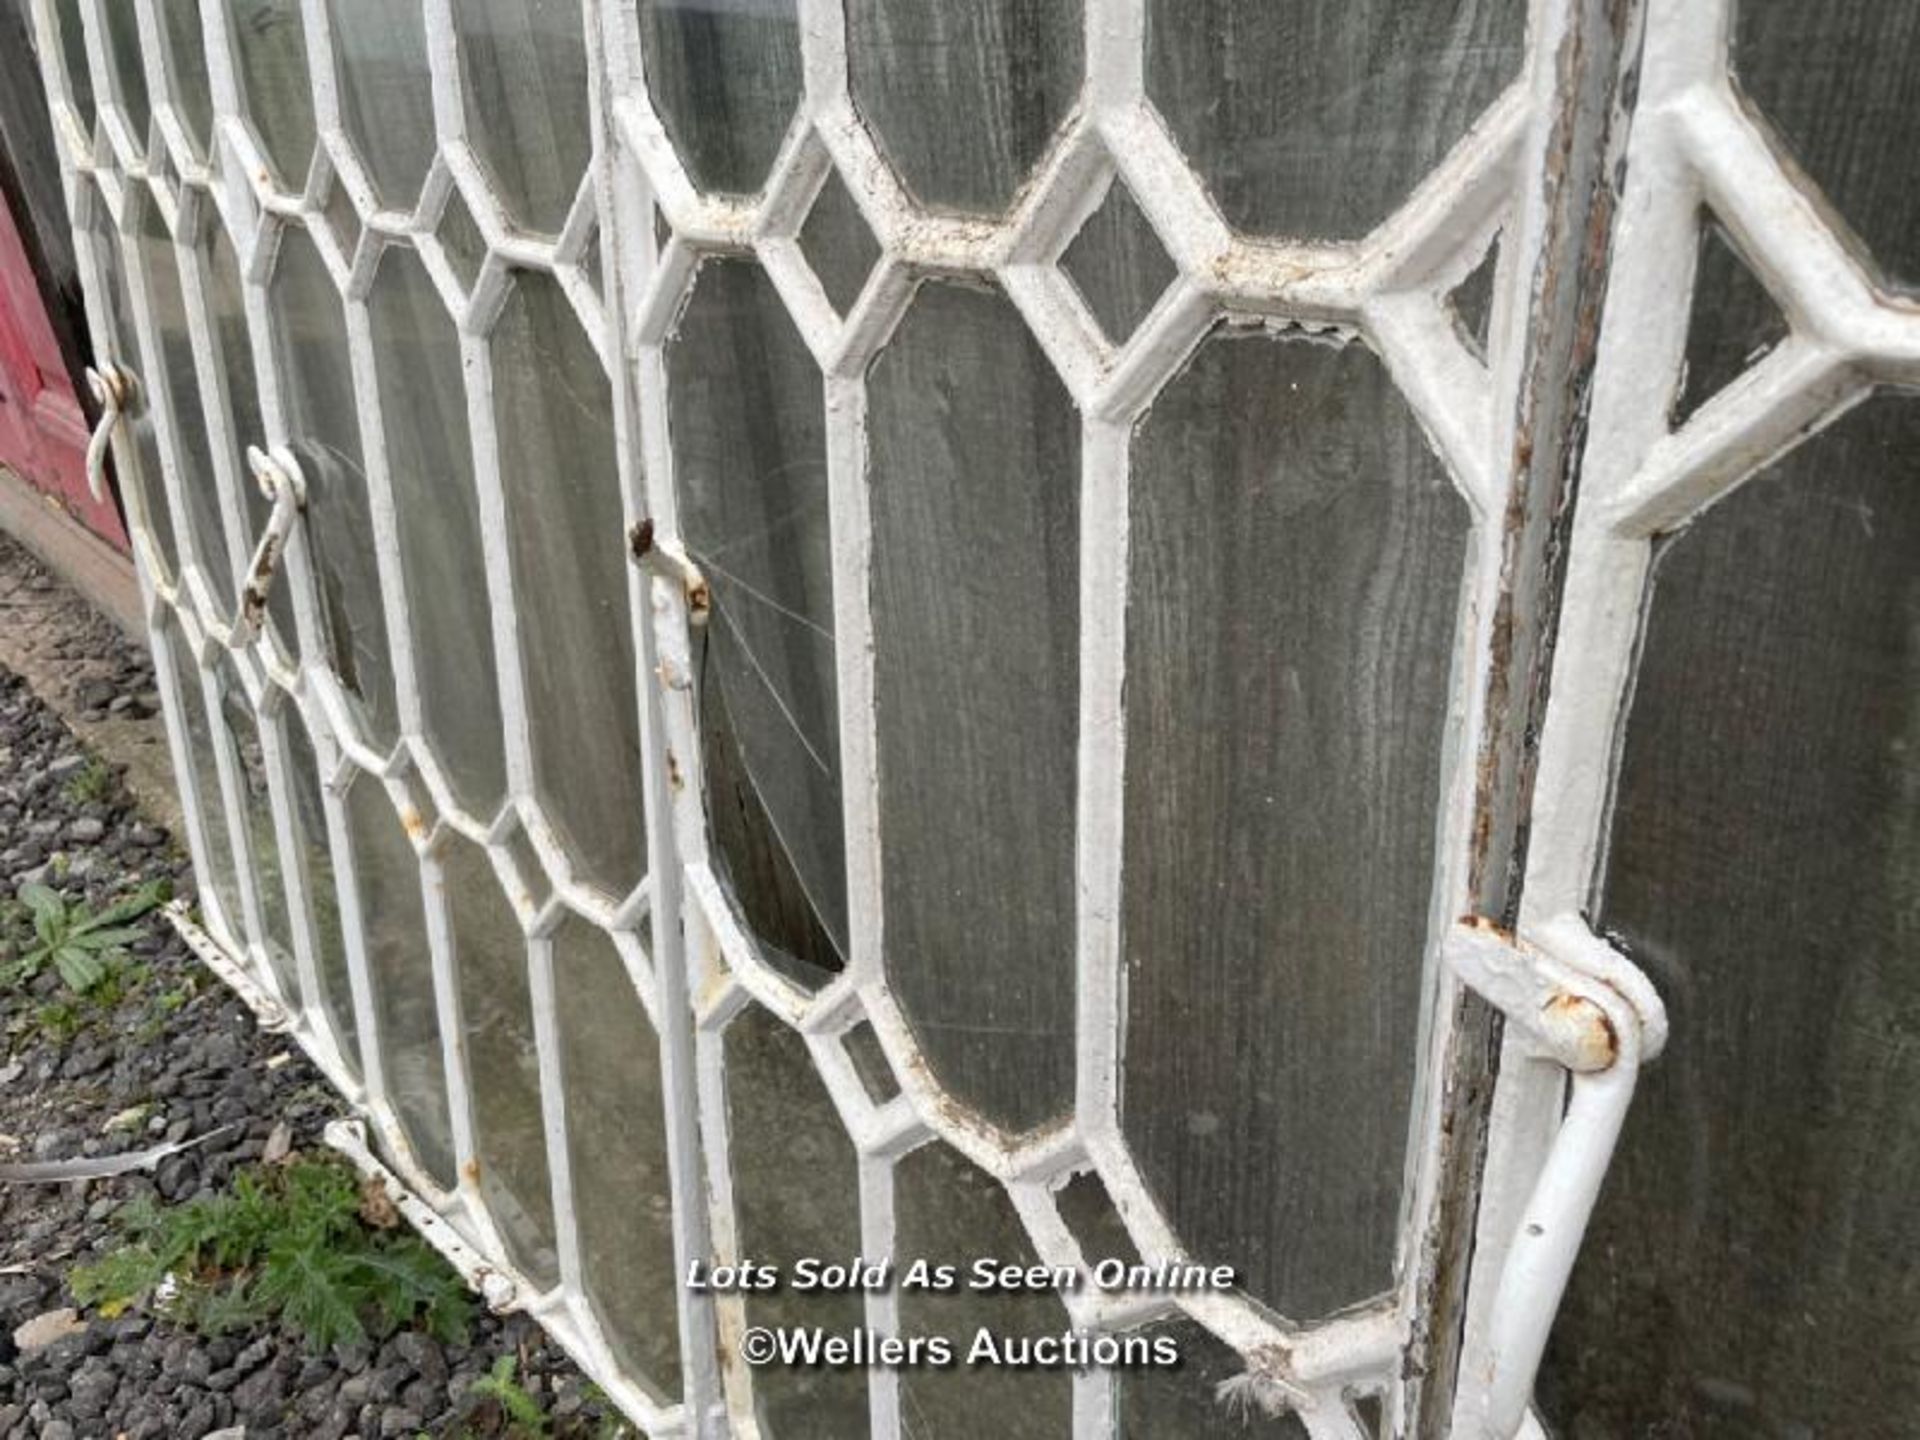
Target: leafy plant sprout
column 80, row 945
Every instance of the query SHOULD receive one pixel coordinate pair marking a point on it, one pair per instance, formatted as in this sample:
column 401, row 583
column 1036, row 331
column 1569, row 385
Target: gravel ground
column 175, row 1056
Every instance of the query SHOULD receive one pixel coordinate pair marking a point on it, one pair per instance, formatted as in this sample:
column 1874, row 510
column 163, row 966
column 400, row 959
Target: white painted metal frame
column 1389, row 290
column 1696, row 142
column 1692, row 140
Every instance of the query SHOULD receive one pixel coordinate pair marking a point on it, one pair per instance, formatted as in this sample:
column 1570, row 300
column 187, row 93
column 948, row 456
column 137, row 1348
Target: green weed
column 95, row 782
column 79, row 944
column 522, row 1409
column 282, row 1243
column 58, row 1020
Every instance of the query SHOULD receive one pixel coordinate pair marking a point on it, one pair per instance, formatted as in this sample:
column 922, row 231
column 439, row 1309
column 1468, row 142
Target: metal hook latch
column 666, row 556
column 113, row 387
column 281, row 482
column 1585, row 1007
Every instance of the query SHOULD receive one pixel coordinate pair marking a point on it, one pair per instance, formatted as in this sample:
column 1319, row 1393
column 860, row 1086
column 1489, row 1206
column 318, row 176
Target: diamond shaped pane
column 1118, row 264
column 837, row 243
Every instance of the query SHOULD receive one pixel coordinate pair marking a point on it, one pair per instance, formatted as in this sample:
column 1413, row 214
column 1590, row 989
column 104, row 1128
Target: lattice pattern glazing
column 499, row 682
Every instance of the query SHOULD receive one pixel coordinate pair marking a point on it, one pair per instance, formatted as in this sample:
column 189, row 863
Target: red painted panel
column 43, row 433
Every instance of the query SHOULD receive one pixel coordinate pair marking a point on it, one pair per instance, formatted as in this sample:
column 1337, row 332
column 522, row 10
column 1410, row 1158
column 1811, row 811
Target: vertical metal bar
column 640, row 425
column 1584, row 79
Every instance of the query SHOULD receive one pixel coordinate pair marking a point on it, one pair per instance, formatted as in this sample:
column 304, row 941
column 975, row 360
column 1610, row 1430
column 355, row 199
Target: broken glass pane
column 749, row 432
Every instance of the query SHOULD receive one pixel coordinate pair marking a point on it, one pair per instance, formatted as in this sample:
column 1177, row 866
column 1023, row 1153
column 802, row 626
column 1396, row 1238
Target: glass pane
column 386, row 94
column 73, row 52
column 1835, row 82
column 725, row 77
column 234, row 351
column 187, row 62
column 460, row 240
column 503, row 1060
column 241, row 734
column 838, row 244
column 179, row 391
column 216, row 840
column 323, row 421
column 523, row 68
column 617, row 1147
column 315, row 853
column 400, row 968
column 567, row 529
column 1748, row 1268
column 797, row 1195
column 1317, row 118
column 423, row 405
column 120, row 343
column 123, row 49
column 275, row 88
column 965, row 95
column 974, row 463
column 1185, row 1403
column 1734, row 322
column 1472, row 301
column 1295, row 556
column 949, row 1212
column 750, row 461
column 1118, row 264
column 871, row 1064
column 1087, row 1210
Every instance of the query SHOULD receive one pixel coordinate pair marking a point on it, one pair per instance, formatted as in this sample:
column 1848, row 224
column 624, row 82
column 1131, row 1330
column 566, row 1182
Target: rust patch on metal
column 413, row 823
column 640, row 538
column 674, row 778
column 1581, row 1033
column 470, row 1171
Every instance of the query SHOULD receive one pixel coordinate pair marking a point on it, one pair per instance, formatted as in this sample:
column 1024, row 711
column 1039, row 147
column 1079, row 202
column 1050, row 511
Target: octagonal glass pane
column 974, row 468
column 1295, row 562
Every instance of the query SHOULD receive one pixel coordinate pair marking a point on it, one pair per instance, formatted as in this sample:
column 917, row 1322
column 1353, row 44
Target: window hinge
column 285, row 487
column 665, row 556
column 1589, row 1009
column 113, row 387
